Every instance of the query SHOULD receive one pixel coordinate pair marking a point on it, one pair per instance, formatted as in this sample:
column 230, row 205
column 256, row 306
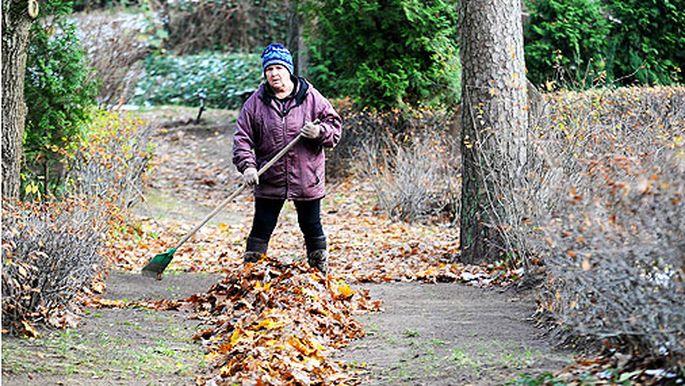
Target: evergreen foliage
column 222, row 79
column 648, row 39
column 385, row 54
column 583, row 42
column 566, row 36
column 59, row 90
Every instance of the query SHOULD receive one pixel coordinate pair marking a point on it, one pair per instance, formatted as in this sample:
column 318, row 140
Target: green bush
column 59, row 90
column 648, row 40
column 566, row 39
column 385, row 54
column 180, row 80
column 582, row 42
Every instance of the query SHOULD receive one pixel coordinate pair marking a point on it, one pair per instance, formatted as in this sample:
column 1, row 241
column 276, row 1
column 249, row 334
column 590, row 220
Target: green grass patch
column 120, row 352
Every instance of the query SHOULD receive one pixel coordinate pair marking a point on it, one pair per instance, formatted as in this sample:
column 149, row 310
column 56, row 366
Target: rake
column 159, row 263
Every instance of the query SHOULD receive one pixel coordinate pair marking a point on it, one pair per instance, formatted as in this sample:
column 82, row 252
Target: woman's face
column 278, row 77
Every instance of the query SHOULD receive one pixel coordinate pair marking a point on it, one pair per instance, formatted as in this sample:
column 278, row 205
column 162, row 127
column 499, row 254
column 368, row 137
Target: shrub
column 196, row 26
column 50, row 254
column 385, row 54
column 116, row 44
column 58, row 91
column 110, row 164
column 566, row 41
column 51, row 248
column 603, row 208
column 411, row 157
column 222, row 79
column 648, row 40
column 617, row 256
column 418, row 180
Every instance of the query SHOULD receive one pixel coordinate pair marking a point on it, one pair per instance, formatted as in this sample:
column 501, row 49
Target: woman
column 281, row 108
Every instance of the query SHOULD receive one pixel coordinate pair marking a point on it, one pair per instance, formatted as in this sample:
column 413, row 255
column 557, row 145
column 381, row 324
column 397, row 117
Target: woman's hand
column 250, row 177
column 311, row 130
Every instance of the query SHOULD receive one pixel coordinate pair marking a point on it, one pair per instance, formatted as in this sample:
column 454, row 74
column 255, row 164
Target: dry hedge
column 194, row 26
column 51, row 249
column 116, row 49
column 50, row 253
column 411, row 157
column 604, row 209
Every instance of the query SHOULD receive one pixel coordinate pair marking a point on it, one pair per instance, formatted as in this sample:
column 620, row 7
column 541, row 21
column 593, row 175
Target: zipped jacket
column 266, row 125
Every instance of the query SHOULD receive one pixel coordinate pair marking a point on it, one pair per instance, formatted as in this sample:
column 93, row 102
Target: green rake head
column 158, row 264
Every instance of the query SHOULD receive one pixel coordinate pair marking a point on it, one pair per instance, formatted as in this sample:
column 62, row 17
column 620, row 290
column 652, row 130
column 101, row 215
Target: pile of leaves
column 276, row 322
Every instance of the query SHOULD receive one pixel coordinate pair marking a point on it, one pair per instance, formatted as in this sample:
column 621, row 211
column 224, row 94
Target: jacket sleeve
column 331, row 123
column 243, row 140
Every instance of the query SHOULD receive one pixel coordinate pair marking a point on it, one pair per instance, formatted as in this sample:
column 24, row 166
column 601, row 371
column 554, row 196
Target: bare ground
column 116, row 346
column 450, row 334
column 427, row 334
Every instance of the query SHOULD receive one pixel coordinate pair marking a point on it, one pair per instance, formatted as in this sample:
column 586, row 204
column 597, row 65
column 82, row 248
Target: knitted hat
column 275, row 53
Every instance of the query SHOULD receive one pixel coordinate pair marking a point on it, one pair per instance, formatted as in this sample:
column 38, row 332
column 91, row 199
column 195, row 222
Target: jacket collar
column 267, row 95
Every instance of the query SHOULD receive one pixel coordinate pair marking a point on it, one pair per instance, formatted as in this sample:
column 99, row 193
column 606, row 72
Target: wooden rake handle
column 240, row 189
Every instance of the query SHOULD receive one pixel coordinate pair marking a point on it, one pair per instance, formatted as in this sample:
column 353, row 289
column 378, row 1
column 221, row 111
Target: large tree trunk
column 17, row 16
column 494, row 119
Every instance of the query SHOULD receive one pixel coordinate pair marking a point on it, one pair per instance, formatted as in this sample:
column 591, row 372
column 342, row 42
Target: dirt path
column 116, row 346
column 449, row 334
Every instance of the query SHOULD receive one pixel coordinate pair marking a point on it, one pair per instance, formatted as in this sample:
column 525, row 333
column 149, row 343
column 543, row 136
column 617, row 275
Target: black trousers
column 266, row 217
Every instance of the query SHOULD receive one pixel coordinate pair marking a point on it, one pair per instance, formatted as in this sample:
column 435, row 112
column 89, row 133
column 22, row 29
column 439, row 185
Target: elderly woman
column 281, row 108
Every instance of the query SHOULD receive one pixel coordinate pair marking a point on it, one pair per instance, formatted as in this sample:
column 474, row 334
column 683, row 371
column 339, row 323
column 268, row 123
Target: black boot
column 255, row 249
column 317, row 253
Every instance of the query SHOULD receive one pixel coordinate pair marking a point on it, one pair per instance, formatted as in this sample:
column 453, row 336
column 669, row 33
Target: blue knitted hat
column 275, row 53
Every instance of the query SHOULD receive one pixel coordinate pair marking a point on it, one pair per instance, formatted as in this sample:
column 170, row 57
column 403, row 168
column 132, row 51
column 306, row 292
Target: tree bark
column 17, row 16
column 296, row 39
column 494, row 120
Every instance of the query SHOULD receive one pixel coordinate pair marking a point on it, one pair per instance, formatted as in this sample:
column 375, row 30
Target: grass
column 121, row 352
column 463, row 360
column 411, row 333
column 436, row 358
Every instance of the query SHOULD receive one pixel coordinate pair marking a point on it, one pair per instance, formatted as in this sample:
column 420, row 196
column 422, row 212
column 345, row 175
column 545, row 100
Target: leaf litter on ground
column 365, row 245
column 274, row 322
column 277, row 321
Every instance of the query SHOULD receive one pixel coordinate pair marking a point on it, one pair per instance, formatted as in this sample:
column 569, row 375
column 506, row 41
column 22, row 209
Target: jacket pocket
column 315, row 173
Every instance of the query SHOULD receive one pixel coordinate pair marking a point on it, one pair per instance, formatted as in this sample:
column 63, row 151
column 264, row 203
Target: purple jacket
column 266, row 125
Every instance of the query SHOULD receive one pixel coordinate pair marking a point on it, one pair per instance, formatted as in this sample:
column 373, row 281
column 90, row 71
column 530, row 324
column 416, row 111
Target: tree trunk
column 296, row 39
column 494, row 120
column 17, row 17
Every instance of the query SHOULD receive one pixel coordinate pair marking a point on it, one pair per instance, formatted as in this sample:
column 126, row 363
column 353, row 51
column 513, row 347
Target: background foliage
column 116, row 44
column 566, row 36
column 223, row 25
column 649, row 34
column 385, row 54
column 222, row 78
column 582, row 42
column 59, row 91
